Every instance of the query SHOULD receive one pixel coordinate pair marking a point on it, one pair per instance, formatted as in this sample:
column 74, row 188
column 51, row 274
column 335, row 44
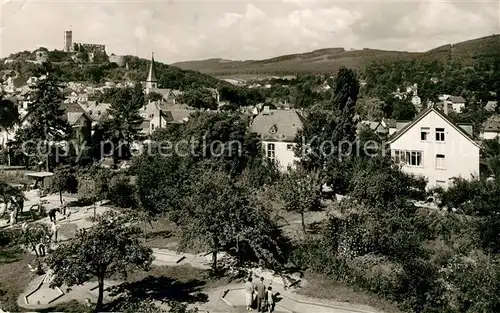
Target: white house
column 277, row 130
column 491, row 128
column 436, row 148
column 457, row 103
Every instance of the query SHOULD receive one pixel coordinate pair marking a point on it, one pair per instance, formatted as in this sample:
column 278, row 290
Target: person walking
column 270, row 299
column 64, row 206
column 52, row 214
column 54, row 230
column 249, row 289
column 260, row 289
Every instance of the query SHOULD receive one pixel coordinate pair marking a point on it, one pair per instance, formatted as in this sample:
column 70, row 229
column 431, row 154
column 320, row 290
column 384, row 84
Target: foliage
column 45, row 117
column 64, row 179
column 327, row 140
column 122, row 191
column 112, row 246
column 35, row 234
column 123, row 124
column 491, row 152
column 102, row 178
column 300, row 191
column 221, row 216
column 9, row 114
column 165, row 198
column 198, row 98
column 401, row 109
column 378, row 182
column 240, row 96
column 222, row 136
column 154, row 96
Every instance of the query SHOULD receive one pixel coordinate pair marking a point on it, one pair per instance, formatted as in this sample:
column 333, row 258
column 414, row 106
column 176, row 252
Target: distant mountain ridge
column 330, row 59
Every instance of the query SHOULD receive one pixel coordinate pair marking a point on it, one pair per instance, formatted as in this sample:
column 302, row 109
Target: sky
column 178, row 30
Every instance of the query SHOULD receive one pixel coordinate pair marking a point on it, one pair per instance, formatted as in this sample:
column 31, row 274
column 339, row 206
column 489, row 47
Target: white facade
column 434, row 147
column 277, row 130
column 281, row 153
column 458, row 107
column 488, row 135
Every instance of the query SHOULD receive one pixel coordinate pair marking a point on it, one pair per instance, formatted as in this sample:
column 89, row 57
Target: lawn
column 320, row 287
column 162, row 284
column 14, row 276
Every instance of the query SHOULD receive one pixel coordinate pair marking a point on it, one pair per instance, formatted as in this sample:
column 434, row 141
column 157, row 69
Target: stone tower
column 68, row 41
column 151, row 82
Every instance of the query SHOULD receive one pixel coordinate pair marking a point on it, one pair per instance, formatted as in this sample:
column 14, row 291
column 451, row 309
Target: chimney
column 445, row 107
column 266, row 111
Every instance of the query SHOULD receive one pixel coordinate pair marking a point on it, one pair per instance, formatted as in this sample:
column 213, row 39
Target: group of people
column 258, row 295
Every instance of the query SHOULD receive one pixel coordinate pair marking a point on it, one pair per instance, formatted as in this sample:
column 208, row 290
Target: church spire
column 152, row 81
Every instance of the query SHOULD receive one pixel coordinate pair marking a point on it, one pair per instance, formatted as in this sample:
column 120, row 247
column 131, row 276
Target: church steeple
column 152, row 82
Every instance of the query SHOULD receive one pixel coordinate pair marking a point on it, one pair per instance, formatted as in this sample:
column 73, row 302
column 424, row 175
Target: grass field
column 14, row 276
column 323, row 288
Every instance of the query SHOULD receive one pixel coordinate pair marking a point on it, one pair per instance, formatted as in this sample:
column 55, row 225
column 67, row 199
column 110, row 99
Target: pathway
column 227, row 299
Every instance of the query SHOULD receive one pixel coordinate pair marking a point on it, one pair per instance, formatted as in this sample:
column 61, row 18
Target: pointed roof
column 152, row 70
column 424, row 113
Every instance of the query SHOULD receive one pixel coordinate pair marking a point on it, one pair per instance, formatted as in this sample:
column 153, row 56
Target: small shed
column 40, row 179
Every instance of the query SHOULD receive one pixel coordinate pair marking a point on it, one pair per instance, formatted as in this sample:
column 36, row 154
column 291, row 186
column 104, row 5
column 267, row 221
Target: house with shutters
column 277, row 130
column 434, row 147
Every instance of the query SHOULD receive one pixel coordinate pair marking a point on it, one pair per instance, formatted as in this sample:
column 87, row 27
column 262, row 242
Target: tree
column 221, row 216
column 327, row 140
column 123, row 125
column 154, row 96
column 402, row 109
column 9, row 115
column 220, row 136
column 46, row 118
column 35, row 234
column 199, row 98
column 108, row 248
column 64, row 180
column 300, row 192
column 165, row 198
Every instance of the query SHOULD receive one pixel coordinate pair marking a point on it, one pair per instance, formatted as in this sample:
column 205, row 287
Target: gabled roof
column 490, row 106
column 456, row 99
column 492, row 124
column 74, row 112
column 178, row 116
column 391, row 123
column 277, row 125
column 424, row 113
column 152, row 70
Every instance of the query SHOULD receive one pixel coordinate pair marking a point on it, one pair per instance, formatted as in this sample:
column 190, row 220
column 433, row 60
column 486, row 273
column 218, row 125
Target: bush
column 122, row 191
column 375, row 273
column 8, row 237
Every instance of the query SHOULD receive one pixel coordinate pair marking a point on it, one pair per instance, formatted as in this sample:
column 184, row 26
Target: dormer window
column 273, row 129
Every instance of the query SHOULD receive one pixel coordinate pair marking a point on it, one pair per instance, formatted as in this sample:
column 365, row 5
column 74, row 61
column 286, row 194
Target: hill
column 329, row 60
column 100, row 72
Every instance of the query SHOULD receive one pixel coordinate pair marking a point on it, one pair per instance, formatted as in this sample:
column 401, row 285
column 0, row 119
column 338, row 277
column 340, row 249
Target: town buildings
column 436, row 148
column 277, row 130
column 491, row 128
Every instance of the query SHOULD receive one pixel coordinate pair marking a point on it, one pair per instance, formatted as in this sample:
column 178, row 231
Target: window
column 289, row 147
column 398, row 156
column 424, row 133
column 440, row 183
column 412, row 158
column 439, row 134
column 271, row 152
column 440, row 161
